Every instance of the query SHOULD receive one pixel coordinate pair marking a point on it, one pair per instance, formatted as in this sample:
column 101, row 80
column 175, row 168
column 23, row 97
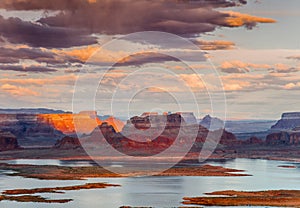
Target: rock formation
column 253, row 141
column 212, row 123
column 67, row 143
column 46, row 129
column 284, row 138
column 285, row 131
column 152, row 134
column 288, row 121
column 29, row 130
column 81, row 123
column 8, row 141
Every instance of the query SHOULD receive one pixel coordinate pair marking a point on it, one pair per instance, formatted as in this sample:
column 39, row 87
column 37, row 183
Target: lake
column 155, row 191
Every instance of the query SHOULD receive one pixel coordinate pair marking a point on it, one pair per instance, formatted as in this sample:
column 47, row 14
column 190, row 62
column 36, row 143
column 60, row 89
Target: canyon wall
column 288, row 121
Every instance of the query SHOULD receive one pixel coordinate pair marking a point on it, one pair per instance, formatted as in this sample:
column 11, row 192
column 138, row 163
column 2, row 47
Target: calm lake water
column 155, row 191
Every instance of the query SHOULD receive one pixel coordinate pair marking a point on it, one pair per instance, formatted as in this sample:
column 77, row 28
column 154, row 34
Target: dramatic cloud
column 144, row 58
column 297, row 58
column 237, row 66
column 9, row 55
column 237, row 19
column 188, row 18
column 17, row 31
column 17, row 54
column 77, row 20
column 292, row 86
column 282, row 68
column 76, row 4
column 255, row 82
column 55, row 80
column 81, row 54
column 21, row 68
column 17, row 91
column 235, row 70
column 150, row 57
column 214, row 45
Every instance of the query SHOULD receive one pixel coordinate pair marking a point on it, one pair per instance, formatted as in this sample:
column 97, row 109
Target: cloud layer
column 17, row 31
column 77, row 20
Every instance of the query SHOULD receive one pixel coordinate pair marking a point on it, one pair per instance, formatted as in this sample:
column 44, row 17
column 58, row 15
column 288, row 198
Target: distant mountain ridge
column 212, row 123
column 249, row 126
column 32, row 111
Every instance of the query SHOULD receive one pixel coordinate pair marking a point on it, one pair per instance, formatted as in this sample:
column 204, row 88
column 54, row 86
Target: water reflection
column 158, row 191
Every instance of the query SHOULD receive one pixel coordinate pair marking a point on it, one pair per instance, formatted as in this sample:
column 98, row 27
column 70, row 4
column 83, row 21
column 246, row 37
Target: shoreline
column 52, row 172
column 284, row 154
column 280, row 198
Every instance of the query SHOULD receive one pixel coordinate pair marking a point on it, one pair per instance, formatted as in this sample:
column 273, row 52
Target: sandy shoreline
column 280, row 198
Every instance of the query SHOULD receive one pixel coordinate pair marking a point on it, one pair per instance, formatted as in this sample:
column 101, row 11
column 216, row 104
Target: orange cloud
column 236, row 66
column 18, row 91
column 237, row 19
column 193, row 81
column 214, row 45
column 291, row 86
column 83, row 54
column 56, row 80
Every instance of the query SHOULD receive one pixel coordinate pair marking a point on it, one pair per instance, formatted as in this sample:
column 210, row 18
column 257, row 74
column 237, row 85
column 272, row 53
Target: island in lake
column 28, row 136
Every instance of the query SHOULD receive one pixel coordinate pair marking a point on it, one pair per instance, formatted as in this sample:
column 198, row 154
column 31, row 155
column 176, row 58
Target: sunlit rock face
column 8, row 141
column 82, row 123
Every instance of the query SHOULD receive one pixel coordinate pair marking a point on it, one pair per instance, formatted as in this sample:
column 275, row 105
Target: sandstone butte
column 82, row 122
column 8, row 141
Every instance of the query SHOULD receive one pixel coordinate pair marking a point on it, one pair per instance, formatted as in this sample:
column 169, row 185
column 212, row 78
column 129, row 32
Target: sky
column 235, row 59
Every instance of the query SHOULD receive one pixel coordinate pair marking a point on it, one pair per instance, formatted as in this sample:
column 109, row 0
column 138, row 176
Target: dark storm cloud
column 26, row 68
column 77, row 20
column 15, row 30
column 185, row 18
column 77, row 4
column 15, row 55
column 10, row 55
column 123, row 17
column 42, row 4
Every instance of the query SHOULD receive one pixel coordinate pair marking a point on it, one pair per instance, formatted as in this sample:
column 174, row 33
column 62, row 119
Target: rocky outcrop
column 228, row 139
column 81, row 123
column 46, row 129
column 8, row 141
column 285, row 131
column 283, row 138
column 253, row 141
column 149, row 135
column 212, row 123
column 288, row 121
column 68, row 143
column 29, row 130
